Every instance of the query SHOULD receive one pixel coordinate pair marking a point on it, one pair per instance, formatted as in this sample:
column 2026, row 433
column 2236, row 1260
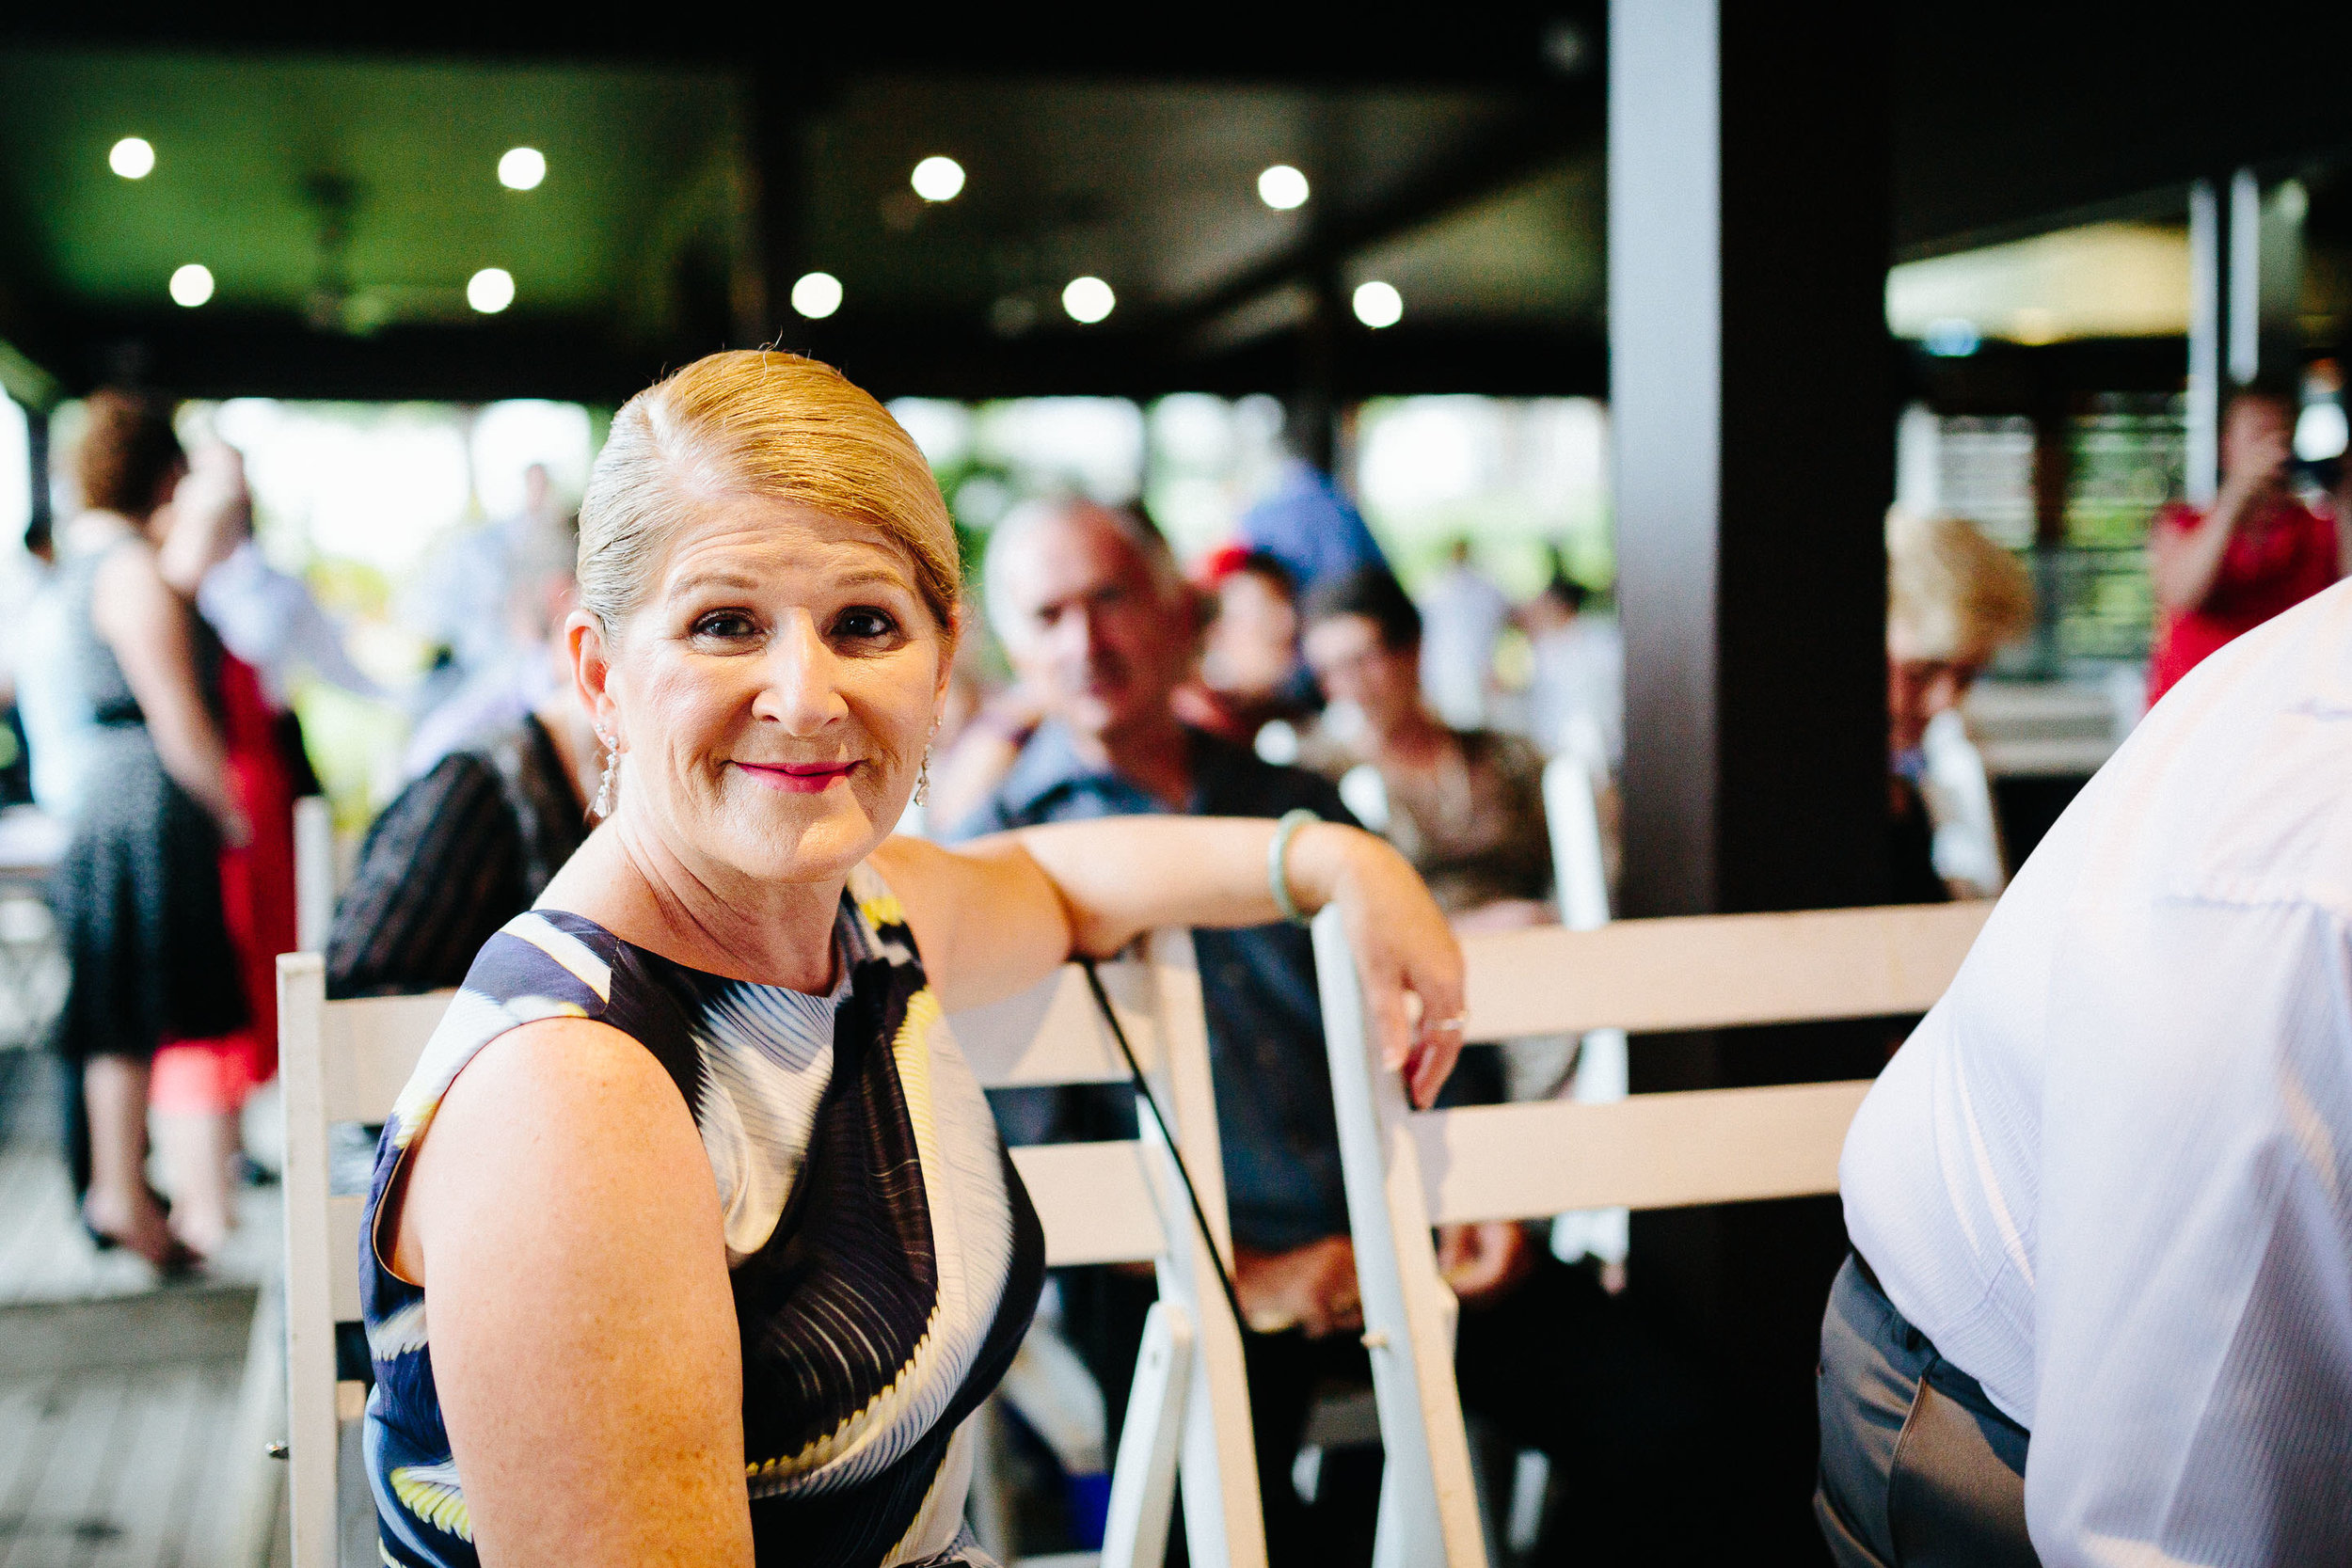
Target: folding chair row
column 1117, row 1202
column 1125, row 1202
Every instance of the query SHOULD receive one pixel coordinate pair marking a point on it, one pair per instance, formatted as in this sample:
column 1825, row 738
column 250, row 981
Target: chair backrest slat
column 1648, row 1151
column 345, row 1215
column 1094, row 1201
column 1712, row 971
column 1053, row 1033
column 369, row 1045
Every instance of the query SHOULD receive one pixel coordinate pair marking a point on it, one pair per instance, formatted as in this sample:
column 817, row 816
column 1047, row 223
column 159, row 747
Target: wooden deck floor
column 130, row 1437
column 45, row 1255
column 127, row 1438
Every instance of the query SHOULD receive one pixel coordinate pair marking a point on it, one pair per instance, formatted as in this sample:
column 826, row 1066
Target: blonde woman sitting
column 718, row 1241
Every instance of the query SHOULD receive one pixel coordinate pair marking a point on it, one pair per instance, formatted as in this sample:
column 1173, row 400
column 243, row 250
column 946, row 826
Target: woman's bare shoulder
column 559, row 1118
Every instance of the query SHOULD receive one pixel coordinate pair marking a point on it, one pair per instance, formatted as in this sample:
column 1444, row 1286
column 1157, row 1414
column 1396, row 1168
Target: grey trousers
column 1919, row 1468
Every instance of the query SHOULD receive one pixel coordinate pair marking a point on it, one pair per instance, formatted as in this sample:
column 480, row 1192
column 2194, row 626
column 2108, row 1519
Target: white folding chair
column 1579, row 867
column 340, row 1061
column 1098, row 1203
column 1124, row 1202
column 1410, row 1170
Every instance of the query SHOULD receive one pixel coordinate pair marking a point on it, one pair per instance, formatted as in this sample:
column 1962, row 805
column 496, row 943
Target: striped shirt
column 455, row 856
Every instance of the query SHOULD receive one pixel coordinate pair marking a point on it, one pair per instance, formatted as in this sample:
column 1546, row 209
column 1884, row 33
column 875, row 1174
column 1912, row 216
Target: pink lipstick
column 800, row 778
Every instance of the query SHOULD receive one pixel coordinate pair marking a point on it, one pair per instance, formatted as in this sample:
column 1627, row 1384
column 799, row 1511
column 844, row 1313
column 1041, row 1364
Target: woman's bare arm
column 562, row 1215
column 996, row 915
column 147, row 625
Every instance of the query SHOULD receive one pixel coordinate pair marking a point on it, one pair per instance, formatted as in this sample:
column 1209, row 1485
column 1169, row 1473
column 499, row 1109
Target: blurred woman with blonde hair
column 719, row 1243
column 1954, row 599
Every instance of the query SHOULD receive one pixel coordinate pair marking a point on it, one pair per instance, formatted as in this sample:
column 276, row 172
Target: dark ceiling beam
column 213, row 353
column 2017, row 116
column 2011, row 379
column 221, row 352
column 1507, row 42
column 1525, row 144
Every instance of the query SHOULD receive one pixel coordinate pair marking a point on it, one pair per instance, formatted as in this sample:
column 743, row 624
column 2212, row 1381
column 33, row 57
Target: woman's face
column 772, row 691
column 1354, row 666
column 1919, row 688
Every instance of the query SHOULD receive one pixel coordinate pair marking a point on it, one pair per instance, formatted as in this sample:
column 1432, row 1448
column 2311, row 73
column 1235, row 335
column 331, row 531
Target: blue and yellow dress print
column 884, row 1257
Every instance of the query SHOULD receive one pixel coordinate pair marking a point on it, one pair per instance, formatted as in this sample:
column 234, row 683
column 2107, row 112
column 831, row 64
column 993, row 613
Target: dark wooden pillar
column 1752, row 398
column 1755, row 450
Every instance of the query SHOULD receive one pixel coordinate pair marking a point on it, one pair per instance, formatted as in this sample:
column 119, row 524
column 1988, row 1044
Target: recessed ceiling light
column 521, row 168
column 490, row 290
column 817, row 294
column 1088, row 299
column 191, row 285
column 938, row 179
column 1282, row 188
column 1378, row 303
column 131, row 157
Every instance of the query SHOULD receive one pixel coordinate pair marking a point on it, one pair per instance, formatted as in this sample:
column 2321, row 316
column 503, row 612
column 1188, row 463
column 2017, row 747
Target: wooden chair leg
column 1143, row 1481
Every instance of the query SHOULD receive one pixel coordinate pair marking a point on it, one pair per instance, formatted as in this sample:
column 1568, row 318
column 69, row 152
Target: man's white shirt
column 2110, row 1174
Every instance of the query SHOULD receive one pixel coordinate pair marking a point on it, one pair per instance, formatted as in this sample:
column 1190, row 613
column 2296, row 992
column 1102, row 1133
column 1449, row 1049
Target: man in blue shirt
column 1311, row 527
column 1102, row 628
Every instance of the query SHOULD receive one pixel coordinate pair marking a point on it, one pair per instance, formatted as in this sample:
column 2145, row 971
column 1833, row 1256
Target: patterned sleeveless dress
column 884, row 1257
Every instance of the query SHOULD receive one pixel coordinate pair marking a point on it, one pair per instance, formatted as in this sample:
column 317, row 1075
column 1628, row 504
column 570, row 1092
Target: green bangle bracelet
column 1276, row 850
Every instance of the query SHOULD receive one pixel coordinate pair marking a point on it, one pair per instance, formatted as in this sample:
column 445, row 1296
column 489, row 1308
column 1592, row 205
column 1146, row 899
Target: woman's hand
column 1405, row 954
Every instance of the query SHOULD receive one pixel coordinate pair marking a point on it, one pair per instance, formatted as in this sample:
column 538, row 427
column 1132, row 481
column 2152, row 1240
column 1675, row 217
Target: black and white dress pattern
column 885, row 1261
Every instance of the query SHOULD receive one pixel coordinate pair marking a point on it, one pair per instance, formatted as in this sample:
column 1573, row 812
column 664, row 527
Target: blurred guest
column 264, row 616
column 496, row 694
column 2259, row 550
column 2099, row 1307
column 138, row 893
column 1100, row 625
column 1465, row 806
column 972, row 763
column 1577, row 699
column 1462, row 615
column 1250, row 670
column 467, row 847
column 199, row 1086
column 1953, row 599
column 460, row 599
column 1305, row 523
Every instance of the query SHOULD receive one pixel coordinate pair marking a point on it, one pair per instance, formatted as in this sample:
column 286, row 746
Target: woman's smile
column 801, row 778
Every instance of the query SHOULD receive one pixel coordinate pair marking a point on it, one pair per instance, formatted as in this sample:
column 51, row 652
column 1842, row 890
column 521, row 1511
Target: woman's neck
column 630, row 881
column 1415, row 740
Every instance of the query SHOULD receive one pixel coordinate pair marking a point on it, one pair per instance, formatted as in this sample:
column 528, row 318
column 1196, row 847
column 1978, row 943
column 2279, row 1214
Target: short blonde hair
column 756, row 422
column 1951, row 591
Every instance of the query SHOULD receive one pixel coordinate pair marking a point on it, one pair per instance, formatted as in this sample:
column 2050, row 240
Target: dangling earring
column 923, row 778
column 610, row 782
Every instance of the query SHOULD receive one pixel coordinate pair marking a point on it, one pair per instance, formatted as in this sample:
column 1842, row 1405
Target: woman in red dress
column 199, row 1086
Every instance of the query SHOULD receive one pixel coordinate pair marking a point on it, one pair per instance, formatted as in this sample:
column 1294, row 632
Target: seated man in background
column 472, row 843
column 1100, row 624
